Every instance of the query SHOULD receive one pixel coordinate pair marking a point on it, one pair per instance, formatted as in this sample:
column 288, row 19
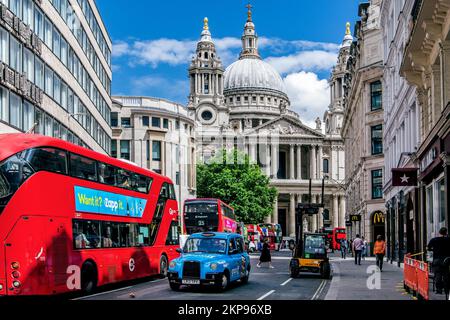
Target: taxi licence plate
column 190, row 281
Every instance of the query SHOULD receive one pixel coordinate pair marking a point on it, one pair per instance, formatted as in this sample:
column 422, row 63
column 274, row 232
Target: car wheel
column 224, row 283
column 244, row 280
column 175, row 286
column 294, row 272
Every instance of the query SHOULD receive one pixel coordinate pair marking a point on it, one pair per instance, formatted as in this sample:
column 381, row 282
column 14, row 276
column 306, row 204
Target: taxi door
column 235, row 260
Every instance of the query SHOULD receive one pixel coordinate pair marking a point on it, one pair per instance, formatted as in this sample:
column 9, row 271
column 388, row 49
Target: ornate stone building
column 363, row 124
column 246, row 106
column 426, row 66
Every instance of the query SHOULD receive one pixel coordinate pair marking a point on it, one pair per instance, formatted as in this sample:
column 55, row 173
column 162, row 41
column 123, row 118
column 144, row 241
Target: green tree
column 232, row 178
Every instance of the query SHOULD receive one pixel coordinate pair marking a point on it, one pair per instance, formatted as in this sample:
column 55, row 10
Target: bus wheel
column 88, row 277
column 163, row 266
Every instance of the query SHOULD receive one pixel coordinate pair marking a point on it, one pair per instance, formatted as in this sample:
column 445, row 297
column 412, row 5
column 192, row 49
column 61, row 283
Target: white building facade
column 401, row 131
column 246, row 107
column 158, row 135
column 55, row 71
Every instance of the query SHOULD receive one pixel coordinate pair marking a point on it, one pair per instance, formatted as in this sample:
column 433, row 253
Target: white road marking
column 116, row 290
column 266, row 295
column 286, row 282
column 319, row 290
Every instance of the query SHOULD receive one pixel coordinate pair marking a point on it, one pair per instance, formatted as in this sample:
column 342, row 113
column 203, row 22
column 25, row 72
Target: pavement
column 354, row 282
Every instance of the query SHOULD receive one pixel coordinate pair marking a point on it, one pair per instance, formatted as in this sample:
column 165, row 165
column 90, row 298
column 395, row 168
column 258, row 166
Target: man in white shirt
column 358, row 246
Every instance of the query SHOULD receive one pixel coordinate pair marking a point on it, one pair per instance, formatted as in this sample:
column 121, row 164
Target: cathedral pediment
column 286, row 126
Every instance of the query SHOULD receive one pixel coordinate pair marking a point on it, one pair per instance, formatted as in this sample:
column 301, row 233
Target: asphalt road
column 264, row 284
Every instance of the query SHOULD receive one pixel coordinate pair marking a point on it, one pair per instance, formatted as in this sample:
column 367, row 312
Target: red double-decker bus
column 338, row 235
column 74, row 219
column 203, row 215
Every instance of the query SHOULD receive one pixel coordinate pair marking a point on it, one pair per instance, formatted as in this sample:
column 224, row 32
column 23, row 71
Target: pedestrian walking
column 365, row 248
column 344, row 247
column 441, row 251
column 380, row 251
column 358, row 245
column 265, row 255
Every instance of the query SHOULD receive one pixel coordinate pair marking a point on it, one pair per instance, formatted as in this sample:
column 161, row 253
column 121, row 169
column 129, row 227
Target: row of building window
column 37, row 20
column 23, row 60
column 96, row 30
column 25, row 116
column 125, row 122
column 254, row 100
column 67, row 13
column 125, row 150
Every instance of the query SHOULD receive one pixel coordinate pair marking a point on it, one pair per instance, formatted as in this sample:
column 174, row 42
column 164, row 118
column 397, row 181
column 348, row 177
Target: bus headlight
column 16, row 284
column 172, row 264
column 15, row 265
column 213, row 266
column 1, row 287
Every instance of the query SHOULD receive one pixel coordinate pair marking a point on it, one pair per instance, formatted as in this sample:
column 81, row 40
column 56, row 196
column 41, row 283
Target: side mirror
column 179, row 250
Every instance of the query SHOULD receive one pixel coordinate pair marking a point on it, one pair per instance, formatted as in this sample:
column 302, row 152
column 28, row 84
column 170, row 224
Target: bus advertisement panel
column 203, row 215
column 85, row 219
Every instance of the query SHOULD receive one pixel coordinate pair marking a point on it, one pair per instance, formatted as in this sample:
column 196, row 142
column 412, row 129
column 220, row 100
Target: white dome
column 253, row 73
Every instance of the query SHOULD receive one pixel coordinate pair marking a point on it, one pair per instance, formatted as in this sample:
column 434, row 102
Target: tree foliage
column 232, row 178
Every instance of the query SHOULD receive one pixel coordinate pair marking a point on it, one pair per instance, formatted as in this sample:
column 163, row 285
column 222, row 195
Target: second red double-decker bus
column 202, row 215
column 338, row 235
column 74, row 219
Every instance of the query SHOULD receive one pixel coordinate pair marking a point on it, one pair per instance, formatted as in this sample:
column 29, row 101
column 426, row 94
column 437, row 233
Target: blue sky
column 153, row 42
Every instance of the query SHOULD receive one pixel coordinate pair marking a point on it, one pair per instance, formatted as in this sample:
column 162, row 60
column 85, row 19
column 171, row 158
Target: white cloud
column 316, row 60
column 309, row 95
column 120, row 49
column 175, row 90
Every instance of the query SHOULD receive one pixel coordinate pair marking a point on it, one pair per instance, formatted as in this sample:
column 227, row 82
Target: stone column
column 275, row 212
column 342, row 211
column 299, row 162
column 291, row 225
column 267, row 164
column 335, row 211
column 252, row 152
column 313, row 163
column 275, row 155
column 314, row 217
column 292, row 162
column 320, row 162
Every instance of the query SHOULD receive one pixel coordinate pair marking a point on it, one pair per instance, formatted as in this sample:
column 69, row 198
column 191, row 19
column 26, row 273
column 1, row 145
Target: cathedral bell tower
column 206, row 99
column 249, row 38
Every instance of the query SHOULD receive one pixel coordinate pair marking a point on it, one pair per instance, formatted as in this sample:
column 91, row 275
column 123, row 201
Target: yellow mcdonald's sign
column 378, row 218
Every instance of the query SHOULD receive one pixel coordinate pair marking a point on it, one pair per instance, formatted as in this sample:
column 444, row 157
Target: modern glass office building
column 55, row 71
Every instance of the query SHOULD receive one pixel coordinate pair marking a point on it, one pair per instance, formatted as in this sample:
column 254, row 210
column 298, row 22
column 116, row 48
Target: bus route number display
column 101, row 202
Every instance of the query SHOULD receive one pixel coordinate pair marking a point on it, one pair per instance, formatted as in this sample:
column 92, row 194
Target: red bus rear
column 338, row 235
column 203, row 215
column 73, row 219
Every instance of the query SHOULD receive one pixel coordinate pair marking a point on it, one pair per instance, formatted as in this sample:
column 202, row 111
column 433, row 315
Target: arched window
column 206, row 55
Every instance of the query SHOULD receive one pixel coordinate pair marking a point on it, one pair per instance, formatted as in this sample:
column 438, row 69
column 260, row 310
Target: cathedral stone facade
column 246, row 106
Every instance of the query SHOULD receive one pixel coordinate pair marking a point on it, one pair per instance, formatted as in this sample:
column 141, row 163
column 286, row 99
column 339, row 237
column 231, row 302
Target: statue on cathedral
column 318, row 124
column 283, row 107
column 248, row 123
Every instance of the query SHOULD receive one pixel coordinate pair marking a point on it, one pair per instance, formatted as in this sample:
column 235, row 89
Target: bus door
column 25, row 256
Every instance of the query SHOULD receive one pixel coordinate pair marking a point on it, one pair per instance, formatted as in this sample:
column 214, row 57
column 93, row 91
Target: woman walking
column 380, row 250
column 265, row 255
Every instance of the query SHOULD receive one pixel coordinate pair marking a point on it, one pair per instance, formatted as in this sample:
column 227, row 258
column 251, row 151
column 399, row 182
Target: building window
column 145, row 121
column 148, row 150
column 166, row 123
column 238, row 99
column 15, row 54
column 114, row 148
column 156, row 122
column 114, row 119
column 441, row 196
column 177, row 178
column 15, row 111
column 376, row 94
column 125, row 149
column 377, row 139
column 177, row 125
column 126, row 122
column 326, row 167
column 156, row 150
column 377, row 184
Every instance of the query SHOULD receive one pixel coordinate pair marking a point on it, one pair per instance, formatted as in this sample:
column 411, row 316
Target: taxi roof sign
column 208, row 234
